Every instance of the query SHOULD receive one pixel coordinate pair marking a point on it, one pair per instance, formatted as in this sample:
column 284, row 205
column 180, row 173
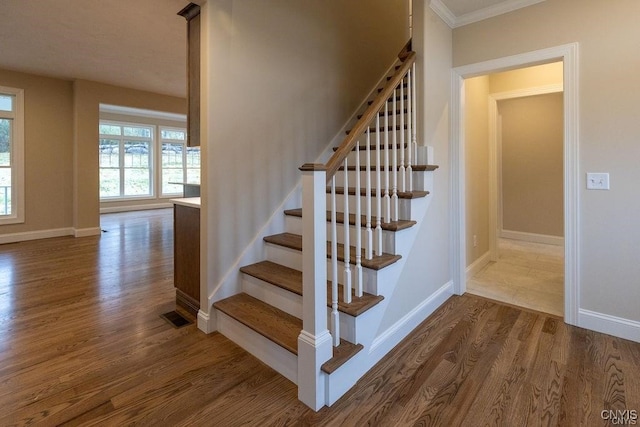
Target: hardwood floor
column 82, row 343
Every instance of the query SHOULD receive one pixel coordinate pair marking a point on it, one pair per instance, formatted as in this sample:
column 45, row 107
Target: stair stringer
column 231, row 283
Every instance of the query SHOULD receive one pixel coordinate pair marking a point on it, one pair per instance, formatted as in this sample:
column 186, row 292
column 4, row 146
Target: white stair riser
column 294, row 225
column 293, row 259
column 291, row 303
column 404, row 205
column 281, row 360
column 418, row 180
column 286, row 301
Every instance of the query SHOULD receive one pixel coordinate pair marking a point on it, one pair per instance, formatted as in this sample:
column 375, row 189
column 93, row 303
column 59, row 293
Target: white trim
column 478, row 265
column 86, row 232
column 139, row 112
column 136, row 207
column 532, row 237
column 35, row 235
column 495, row 160
column 384, row 342
column 607, row 324
column 278, row 358
column 569, row 55
column 443, row 12
column 454, row 21
column 17, row 156
column 206, row 323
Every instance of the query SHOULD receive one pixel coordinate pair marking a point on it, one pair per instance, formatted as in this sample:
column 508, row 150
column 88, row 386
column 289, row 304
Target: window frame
column 185, row 168
column 122, row 139
column 16, row 155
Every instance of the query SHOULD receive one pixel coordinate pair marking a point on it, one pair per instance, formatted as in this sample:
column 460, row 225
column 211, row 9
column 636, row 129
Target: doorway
column 514, row 209
column 568, row 55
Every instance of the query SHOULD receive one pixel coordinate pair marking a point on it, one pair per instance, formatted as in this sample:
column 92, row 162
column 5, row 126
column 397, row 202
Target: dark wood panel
column 192, row 14
column 187, row 257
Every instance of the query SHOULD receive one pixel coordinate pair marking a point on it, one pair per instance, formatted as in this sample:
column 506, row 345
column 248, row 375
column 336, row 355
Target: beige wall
column 528, row 77
column 476, row 114
column 87, row 98
column 48, row 106
column 532, row 164
column 280, row 80
column 61, row 149
column 608, row 34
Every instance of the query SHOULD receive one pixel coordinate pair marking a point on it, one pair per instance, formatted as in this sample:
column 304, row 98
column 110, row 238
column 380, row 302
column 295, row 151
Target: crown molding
column 443, row 12
column 479, row 15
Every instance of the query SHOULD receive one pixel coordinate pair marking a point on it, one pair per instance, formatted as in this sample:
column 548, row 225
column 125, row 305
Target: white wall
column 608, row 34
column 427, row 268
column 280, row 80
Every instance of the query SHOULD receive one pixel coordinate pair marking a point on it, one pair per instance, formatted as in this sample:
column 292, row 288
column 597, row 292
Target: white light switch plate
column 597, row 181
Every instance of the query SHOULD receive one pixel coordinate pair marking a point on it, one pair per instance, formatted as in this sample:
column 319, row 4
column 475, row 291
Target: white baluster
column 409, row 129
column 335, row 318
column 378, row 232
column 369, row 240
column 358, row 225
column 387, row 166
column 347, row 244
column 402, row 110
column 394, row 169
column 414, row 139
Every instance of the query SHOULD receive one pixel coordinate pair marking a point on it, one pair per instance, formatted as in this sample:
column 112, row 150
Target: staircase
column 312, row 307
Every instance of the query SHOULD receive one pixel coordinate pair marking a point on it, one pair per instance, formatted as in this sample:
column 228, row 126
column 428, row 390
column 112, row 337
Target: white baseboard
column 532, row 237
column 85, row 232
column 35, row 235
column 478, row 265
column 115, row 209
column 384, row 342
column 206, row 323
column 611, row 325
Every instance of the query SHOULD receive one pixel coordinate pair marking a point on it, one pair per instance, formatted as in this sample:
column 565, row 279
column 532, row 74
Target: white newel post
column 314, row 341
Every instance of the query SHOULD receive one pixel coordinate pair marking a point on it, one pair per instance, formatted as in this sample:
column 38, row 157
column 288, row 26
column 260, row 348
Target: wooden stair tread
column 270, row 322
column 291, row 280
column 382, row 128
column 341, row 355
column 389, row 113
column 294, row 241
column 415, row 194
column 390, row 226
column 414, row 168
column 373, row 146
column 398, row 98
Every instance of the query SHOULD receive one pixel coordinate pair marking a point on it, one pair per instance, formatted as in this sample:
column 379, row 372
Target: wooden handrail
column 361, row 126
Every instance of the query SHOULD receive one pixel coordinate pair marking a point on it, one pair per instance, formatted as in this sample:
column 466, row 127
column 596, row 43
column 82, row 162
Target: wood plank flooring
column 82, row 343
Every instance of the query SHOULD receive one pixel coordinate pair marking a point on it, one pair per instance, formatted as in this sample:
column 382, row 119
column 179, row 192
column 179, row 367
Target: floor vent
column 176, row 319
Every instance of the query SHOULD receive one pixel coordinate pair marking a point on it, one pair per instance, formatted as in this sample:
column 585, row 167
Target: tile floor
column 529, row 275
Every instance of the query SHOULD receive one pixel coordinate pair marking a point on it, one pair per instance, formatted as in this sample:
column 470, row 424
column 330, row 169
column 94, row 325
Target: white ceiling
column 139, row 44
column 457, row 13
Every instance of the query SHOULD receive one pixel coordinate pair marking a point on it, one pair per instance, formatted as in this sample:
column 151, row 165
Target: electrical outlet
column 475, row 241
column 597, row 181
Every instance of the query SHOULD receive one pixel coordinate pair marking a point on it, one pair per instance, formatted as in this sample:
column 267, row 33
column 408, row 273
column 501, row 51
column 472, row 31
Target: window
column 145, row 160
column 11, row 156
column 126, row 166
column 179, row 162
